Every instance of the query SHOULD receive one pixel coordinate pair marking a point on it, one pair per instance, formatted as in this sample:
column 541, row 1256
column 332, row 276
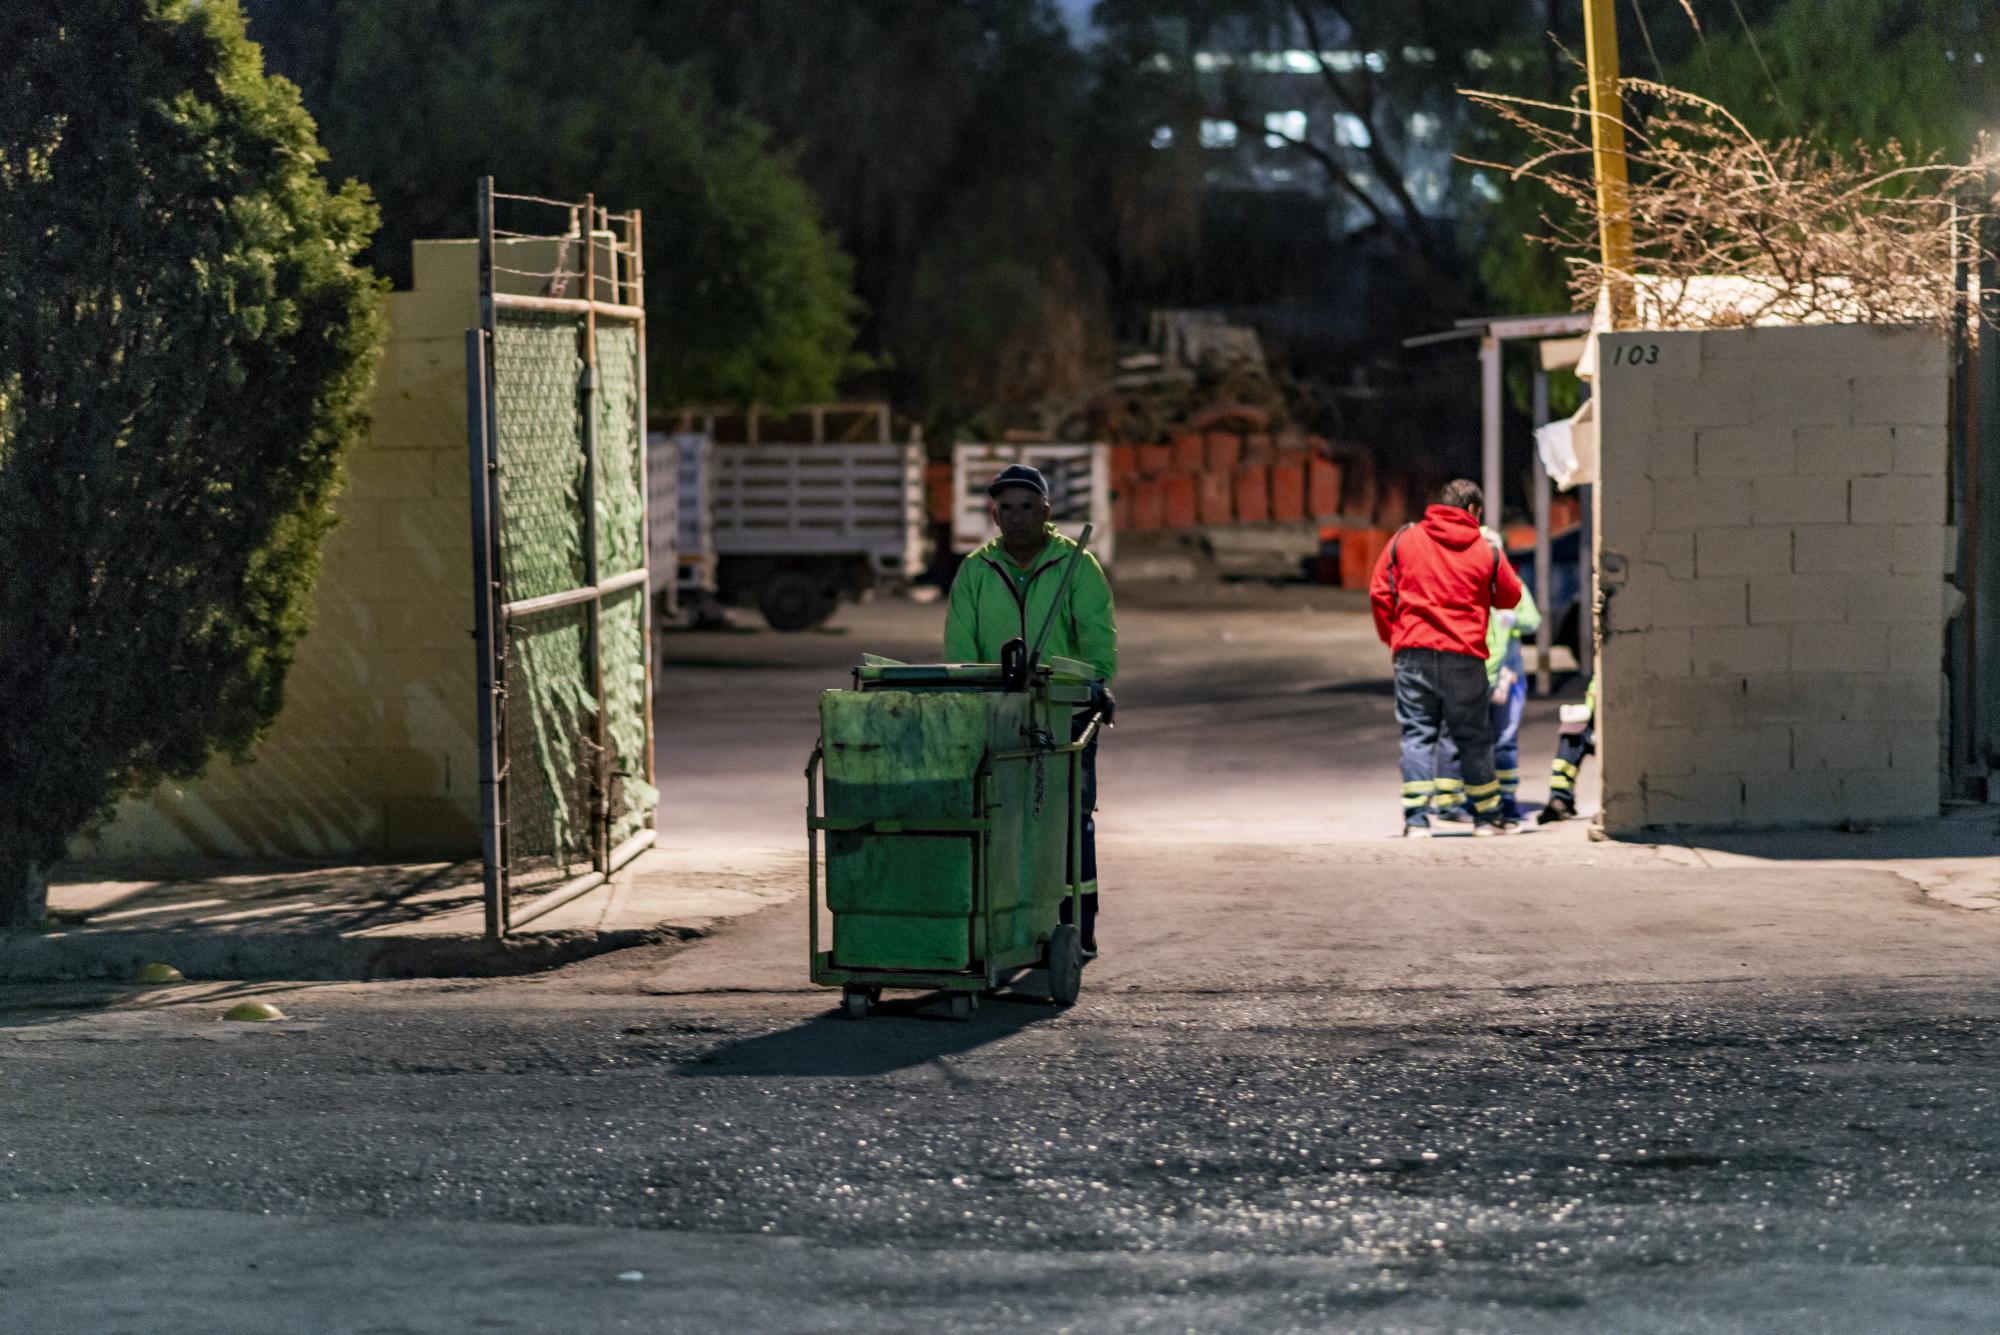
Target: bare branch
column 1728, row 229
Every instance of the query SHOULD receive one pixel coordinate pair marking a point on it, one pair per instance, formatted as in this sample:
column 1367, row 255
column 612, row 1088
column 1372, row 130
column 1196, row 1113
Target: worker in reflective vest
column 1432, row 594
column 1507, row 693
column 1006, row 590
column 1577, row 740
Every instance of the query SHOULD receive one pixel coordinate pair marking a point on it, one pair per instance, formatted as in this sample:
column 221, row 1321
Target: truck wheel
column 792, row 600
column 854, row 1003
column 1065, row 964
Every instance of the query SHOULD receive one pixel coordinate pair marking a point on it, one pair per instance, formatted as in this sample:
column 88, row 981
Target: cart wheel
column 854, row 1003
column 964, row 1005
column 1065, row 964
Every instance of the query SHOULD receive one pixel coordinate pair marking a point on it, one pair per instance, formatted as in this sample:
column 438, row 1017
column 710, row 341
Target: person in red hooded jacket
column 1432, row 591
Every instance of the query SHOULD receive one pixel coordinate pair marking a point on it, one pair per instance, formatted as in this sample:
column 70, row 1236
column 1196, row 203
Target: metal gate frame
column 586, row 227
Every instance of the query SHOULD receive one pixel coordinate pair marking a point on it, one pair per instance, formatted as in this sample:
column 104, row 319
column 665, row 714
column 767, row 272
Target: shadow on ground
column 898, row 1036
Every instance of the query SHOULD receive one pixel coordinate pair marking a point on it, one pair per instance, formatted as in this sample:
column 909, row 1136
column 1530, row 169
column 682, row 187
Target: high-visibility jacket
column 1506, row 626
column 993, row 600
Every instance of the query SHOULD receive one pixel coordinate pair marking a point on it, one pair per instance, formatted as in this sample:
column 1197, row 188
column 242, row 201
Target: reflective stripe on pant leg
column 1562, row 776
column 1485, row 797
column 1510, row 780
column 1417, row 794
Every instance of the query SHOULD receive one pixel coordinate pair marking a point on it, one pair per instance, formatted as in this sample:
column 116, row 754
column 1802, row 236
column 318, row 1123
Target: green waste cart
column 948, row 797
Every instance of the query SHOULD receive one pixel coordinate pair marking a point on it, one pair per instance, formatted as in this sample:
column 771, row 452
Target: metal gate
column 556, row 389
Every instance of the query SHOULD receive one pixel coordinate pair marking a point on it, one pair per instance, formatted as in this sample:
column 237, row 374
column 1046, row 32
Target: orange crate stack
column 1253, row 494
column 1218, row 503
column 1288, row 488
column 1149, row 504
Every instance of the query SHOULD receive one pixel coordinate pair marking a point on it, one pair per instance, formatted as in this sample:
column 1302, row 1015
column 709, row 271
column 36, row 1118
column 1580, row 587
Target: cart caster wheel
column 854, row 1003
column 1065, row 964
column 964, row 1005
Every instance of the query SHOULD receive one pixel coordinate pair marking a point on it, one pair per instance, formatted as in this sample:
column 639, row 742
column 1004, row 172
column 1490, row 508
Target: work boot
column 1455, row 815
column 1485, row 829
column 1559, row 808
column 1417, row 826
column 1510, row 814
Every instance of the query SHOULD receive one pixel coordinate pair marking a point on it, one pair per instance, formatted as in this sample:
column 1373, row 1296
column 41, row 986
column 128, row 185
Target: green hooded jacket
column 994, row 600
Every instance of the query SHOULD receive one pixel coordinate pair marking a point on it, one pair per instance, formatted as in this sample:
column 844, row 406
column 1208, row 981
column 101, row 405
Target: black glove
column 1103, row 703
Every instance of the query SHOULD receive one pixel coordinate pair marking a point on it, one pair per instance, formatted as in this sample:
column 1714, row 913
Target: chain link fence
column 562, row 547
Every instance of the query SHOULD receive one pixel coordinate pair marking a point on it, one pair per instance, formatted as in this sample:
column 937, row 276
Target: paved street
column 1321, row 1079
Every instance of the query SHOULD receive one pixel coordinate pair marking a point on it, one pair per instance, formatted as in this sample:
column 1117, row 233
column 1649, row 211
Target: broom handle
column 1049, row 622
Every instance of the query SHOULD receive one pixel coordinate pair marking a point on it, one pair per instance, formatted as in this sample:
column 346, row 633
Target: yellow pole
column 1607, row 137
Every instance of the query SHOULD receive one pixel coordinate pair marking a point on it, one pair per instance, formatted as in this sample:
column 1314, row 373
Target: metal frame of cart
column 983, row 974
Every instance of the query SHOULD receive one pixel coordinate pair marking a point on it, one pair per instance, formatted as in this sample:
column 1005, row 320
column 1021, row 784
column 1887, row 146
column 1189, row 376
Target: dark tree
column 185, row 348
column 751, row 297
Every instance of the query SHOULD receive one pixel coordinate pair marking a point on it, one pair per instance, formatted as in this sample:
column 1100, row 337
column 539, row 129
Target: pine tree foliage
column 185, row 349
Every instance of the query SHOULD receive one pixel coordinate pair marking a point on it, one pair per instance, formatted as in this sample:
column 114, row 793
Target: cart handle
column 812, row 858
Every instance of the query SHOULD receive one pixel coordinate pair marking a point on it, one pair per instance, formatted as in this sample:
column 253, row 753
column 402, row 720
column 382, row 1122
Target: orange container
column 1218, row 504
column 1322, row 488
column 1253, row 494
column 937, row 492
column 1360, row 548
column 1149, row 504
column 1183, row 505
column 1190, row 452
column 1154, row 460
column 1288, row 489
column 1121, row 513
column 1124, row 465
column 1225, row 451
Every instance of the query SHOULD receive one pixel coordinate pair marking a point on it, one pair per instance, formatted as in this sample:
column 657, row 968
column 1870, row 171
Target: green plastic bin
column 943, row 812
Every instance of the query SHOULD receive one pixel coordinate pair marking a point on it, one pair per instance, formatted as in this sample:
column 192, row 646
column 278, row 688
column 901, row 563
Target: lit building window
column 1377, row 62
column 1283, row 127
column 1479, row 60
column 1301, row 62
column 1208, row 61
column 1351, row 131
column 1422, row 126
column 1342, row 62
column 1420, row 55
column 1218, row 134
column 1163, row 136
column 1482, row 185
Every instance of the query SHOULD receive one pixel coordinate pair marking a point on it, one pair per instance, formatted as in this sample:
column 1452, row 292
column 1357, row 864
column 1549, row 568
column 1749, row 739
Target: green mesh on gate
column 535, row 375
column 550, row 705
column 621, row 503
column 550, row 724
column 624, row 629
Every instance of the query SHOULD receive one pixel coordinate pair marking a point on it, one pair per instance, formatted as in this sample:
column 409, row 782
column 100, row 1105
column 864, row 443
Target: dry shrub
column 1730, row 230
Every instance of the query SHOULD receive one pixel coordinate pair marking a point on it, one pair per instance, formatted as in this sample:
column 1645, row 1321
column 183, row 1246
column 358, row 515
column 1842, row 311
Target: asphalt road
column 1321, row 1079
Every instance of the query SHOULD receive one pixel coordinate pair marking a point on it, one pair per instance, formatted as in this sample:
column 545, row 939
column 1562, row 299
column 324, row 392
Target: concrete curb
column 309, row 956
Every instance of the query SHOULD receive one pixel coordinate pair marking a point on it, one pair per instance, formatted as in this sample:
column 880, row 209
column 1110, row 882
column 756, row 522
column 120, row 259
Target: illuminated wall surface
column 1773, row 550
column 375, row 751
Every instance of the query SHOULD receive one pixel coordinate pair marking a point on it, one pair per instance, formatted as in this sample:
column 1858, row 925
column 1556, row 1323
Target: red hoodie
column 1436, row 582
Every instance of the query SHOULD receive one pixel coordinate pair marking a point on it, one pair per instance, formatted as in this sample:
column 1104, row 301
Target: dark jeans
column 1437, row 694
column 1089, row 767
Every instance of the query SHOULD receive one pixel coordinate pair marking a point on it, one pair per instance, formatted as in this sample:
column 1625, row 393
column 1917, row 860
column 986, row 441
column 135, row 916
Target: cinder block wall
column 1772, row 549
column 374, row 754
